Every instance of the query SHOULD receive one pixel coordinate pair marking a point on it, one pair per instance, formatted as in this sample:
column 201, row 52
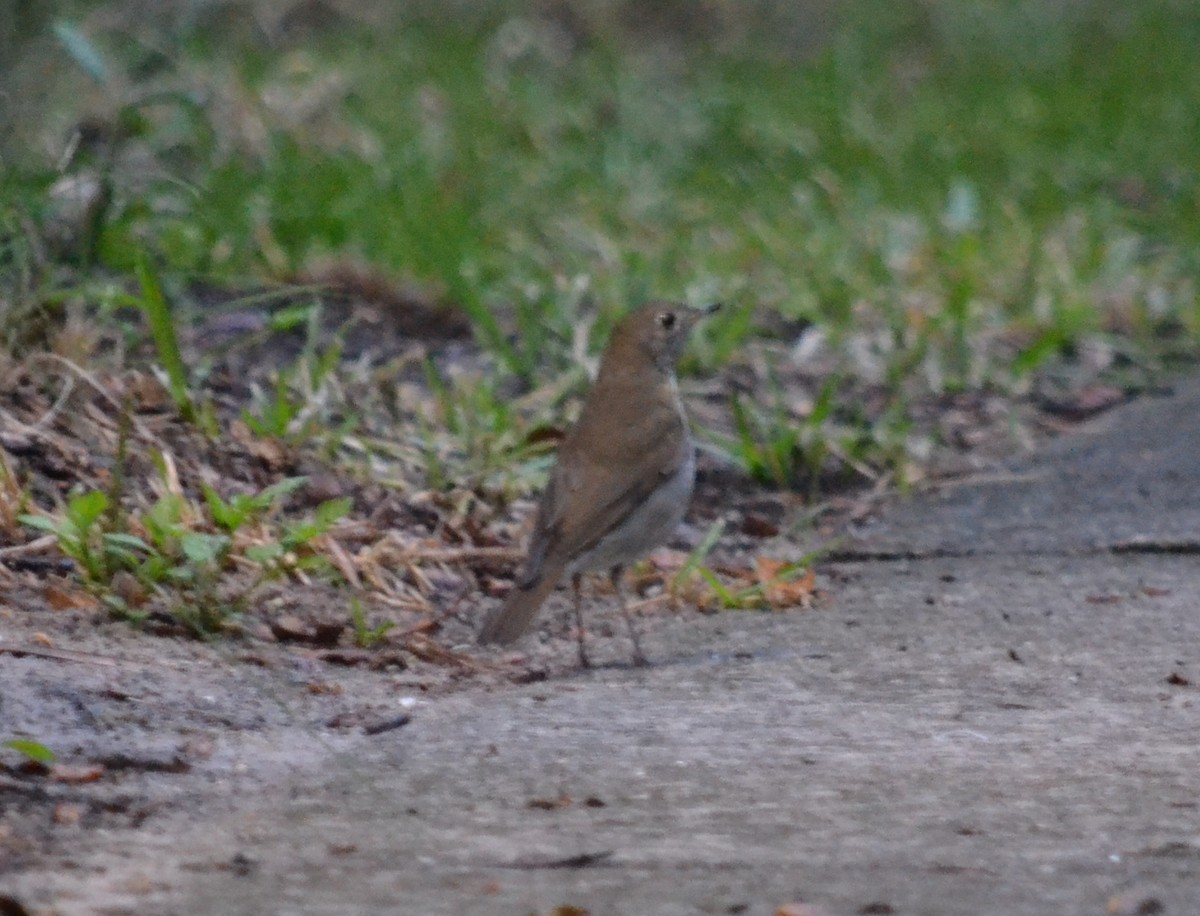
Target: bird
column 622, row 479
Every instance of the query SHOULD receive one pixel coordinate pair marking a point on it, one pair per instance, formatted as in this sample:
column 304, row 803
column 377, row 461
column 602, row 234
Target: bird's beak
column 692, row 316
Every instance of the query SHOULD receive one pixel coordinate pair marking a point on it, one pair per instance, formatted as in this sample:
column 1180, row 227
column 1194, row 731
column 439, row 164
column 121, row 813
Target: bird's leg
column 577, row 587
column 638, row 658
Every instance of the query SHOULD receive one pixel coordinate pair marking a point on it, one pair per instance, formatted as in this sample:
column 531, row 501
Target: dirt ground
column 991, row 708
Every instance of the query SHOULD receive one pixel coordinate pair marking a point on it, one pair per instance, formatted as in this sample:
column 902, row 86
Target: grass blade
column 166, row 341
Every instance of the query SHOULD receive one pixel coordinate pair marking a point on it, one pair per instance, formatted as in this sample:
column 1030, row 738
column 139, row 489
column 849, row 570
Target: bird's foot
column 584, row 661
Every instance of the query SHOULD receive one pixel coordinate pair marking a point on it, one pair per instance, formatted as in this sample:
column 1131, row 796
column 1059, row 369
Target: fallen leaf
column 1085, row 403
column 148, row 394
column 345, row 719
column 76, row 774
column 67, row 815
column 800, row 909
column 549, row 804
column 62, row 599
column 346, row 656
column 1133, row 905
column 139, row 884
column 256, row 658
column 1096, row 398
column 32, row 768
column 668, row 560
column 271, row 452
column 779, row 591
column 369, row 658
column 126, row 587
column 199, row 747
column 290, row 628
column 545, row 435
column 758, row 526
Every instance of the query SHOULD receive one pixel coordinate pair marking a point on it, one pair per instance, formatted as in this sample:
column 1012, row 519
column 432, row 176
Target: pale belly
column 649, row 525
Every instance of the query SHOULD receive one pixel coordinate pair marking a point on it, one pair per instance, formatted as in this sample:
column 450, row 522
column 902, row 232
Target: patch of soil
column 370, row 315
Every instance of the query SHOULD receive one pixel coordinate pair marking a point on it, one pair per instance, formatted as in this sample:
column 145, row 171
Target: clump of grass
column 472, row 435
column 365, row 635
column 166, row 340
column 188, row 554
column 299, row 408
column 27, row 280
column 771, row 585
column 13, row 500
column 81, row 536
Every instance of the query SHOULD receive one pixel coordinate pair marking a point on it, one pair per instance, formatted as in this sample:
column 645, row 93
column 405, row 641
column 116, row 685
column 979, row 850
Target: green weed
column 699, row 554
column 81, row 536
column 473, row 436
column 166, row 340
column 187, row 554
column 366, row 636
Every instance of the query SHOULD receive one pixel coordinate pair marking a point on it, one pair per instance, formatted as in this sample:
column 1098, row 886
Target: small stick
column 60, row 655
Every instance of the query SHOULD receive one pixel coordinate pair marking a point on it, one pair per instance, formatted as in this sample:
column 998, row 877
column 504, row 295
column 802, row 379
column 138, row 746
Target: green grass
column 184, row 553
column 957, row 195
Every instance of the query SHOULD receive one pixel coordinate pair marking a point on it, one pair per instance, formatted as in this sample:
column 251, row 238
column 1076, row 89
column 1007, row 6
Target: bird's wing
column 587, row 498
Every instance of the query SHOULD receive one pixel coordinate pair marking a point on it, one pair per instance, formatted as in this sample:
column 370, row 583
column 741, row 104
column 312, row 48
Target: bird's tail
column 507, row 623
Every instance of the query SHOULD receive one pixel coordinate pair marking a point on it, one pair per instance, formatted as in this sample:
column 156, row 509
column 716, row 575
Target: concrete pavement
column 995, row 713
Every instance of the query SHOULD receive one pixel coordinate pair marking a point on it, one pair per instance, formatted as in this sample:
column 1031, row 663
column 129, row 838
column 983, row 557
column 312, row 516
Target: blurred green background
column 901, row 201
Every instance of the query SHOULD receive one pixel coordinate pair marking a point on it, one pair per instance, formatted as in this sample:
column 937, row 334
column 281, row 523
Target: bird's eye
column 666, row 319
